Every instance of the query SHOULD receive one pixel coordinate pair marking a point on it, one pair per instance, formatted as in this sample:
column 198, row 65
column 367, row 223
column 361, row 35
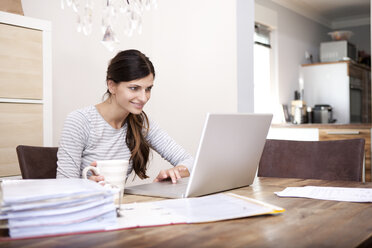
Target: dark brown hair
column 126, row 66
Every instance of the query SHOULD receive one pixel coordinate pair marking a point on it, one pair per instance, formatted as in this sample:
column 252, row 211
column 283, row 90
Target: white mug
column 114, row 171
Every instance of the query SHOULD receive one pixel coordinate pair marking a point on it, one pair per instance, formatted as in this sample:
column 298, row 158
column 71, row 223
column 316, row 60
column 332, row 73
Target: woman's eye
column 149, row 89
column 133, row 88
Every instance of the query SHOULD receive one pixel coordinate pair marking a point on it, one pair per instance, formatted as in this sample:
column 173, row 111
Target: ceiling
column 332, row 13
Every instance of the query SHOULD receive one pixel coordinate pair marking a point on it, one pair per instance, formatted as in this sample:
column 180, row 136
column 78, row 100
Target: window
column 265, row 73
column 262, row 69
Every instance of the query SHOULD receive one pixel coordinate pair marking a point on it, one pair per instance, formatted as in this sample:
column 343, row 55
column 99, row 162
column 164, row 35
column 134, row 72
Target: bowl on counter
column 341, row 35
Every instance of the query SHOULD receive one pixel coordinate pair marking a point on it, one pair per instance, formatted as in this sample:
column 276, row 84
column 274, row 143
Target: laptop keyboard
column 163, row 189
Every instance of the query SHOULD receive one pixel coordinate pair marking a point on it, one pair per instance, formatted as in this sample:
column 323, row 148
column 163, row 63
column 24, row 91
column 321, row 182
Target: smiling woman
column 118, row 128
column 131, row 96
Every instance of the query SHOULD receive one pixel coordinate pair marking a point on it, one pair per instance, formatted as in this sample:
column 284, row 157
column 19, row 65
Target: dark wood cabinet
column 362, row 74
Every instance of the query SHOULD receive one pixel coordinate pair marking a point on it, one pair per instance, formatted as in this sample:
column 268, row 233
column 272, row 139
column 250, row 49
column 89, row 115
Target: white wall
column 192, row 43
column 295, row 35
column 245, row 31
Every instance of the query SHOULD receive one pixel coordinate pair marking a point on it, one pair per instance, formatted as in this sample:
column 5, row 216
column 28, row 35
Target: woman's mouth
column 138, row 105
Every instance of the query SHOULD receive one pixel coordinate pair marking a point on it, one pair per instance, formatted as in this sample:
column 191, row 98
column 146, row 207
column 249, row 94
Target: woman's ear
column 111, row 85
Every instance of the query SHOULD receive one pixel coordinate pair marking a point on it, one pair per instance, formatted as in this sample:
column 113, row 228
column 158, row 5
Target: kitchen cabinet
column 25, row 87
column 361, row 75
column 344, row 85
column 322, row 132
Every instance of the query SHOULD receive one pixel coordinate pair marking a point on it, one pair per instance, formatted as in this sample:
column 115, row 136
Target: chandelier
column 117, row 15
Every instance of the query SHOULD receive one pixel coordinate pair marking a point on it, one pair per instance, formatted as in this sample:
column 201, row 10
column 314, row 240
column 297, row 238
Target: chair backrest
column 328, row 160
column 37, row 162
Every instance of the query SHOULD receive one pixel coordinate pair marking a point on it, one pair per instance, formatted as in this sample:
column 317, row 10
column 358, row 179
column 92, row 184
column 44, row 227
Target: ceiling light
column 113, row 12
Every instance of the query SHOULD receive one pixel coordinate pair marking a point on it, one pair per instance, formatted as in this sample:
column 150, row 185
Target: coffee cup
column 114, row 171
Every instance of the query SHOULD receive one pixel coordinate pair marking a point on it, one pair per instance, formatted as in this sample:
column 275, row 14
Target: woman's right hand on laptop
column 174, row 174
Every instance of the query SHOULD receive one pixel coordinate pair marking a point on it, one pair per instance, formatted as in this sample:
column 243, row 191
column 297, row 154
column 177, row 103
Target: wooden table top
column 305, row 223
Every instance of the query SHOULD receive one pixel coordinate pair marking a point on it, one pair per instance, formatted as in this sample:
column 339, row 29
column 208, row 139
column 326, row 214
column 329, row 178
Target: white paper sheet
column 329, row 193
column 214, row 207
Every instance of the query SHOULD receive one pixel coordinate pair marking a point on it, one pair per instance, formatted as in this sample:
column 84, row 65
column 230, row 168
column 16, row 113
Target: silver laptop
column 229, row 151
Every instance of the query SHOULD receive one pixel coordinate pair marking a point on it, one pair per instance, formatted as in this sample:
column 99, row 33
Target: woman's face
column 132, row 96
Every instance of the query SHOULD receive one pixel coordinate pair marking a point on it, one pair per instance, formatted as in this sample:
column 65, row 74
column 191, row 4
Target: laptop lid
column 229, row 152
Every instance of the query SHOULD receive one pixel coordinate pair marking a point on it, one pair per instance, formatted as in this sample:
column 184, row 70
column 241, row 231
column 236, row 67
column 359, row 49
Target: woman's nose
column 143, row 96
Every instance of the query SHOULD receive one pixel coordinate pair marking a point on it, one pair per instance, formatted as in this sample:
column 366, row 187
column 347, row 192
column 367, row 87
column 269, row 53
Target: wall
column 245, row 31
column 295, row 35
column 361, row 37
column 193, row 45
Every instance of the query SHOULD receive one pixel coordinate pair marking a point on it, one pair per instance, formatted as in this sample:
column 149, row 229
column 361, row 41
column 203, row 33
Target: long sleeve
column 168, row 149
column 73, row 140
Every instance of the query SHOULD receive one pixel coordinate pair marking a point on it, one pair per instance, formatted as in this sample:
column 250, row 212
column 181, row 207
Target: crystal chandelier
column 130, row 10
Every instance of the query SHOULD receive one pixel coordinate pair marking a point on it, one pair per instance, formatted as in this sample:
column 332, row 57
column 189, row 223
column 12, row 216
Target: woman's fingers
column 94, row 177
column 97, row 178
column 174, row 174
column 177, row 173
column 161, row 176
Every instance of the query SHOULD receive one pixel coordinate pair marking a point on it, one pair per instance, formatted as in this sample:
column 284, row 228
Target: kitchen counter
column 325, row 126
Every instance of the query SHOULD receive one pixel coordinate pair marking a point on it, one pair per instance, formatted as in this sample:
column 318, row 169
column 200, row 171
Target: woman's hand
column 96, row 178
column 174, row 174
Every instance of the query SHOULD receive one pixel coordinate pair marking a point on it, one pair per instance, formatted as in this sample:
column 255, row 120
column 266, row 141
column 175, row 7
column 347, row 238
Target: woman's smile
column 138, row 105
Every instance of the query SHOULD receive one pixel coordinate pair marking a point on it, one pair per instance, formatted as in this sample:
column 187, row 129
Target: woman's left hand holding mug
column 96, row 178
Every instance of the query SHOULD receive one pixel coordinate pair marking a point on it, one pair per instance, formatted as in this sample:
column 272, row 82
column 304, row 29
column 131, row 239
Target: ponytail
column 138, row 126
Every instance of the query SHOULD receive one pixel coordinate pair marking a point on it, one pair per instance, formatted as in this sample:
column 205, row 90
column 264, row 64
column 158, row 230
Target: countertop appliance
column 337, row 51
column 322, row 113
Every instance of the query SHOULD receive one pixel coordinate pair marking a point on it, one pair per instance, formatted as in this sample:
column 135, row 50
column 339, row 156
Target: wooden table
column 305, row 223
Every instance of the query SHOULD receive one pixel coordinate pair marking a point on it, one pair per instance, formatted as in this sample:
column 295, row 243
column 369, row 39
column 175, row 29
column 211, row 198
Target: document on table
column 329, row 193
column 209, row 208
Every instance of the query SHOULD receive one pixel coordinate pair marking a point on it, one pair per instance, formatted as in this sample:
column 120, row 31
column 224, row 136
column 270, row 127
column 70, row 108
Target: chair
column 37, row 162
column 328, row 160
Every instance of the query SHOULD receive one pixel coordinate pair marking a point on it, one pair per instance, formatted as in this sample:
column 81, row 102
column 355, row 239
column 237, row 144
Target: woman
column 117, row 128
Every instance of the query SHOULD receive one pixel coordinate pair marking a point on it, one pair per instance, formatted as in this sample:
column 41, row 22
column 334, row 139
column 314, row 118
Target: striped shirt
column 87, row 137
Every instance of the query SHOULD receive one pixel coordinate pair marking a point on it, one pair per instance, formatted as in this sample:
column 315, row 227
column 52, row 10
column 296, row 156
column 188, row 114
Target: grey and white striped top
column 87, row 137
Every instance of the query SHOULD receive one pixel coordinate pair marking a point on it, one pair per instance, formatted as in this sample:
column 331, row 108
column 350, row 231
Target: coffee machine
column 322, row 113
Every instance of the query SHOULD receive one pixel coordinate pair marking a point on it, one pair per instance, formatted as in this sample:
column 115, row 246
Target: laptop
column 229, row 152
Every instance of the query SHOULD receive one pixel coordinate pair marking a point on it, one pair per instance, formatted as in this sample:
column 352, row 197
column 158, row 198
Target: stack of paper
column 55, row 206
